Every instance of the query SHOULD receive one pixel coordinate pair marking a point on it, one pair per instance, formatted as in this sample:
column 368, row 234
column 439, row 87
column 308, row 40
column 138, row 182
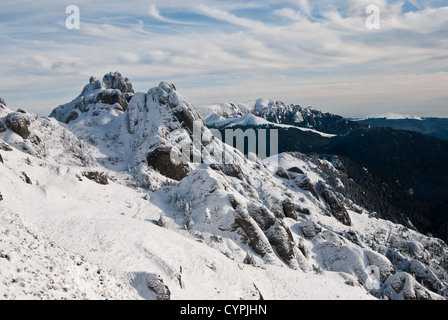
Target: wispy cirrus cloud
column 308, row 52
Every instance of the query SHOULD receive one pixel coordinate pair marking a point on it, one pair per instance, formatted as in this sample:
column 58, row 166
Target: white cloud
column 249, row 48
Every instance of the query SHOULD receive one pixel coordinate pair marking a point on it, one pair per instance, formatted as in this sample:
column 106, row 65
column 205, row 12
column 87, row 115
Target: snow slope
column 87, row 208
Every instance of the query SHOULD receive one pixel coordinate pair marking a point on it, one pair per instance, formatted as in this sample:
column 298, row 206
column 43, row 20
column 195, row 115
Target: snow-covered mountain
column 114, row 196
column 275, row 112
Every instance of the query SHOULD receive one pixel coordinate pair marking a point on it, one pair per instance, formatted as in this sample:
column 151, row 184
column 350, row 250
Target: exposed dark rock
column 402, row 284
column 26, row 178
column 339, row 165
column 160, row 160
column 262, row 216
column 289, row 209
column 302, row 210
column 249, row 259
column 280, row 237
column 2, row 102
column 112, row 97
column 235, row 204
column 72, row 116
column 18, row 123
column 336, row 207
column 231, row 170
column 114, row 80
column 34, row 139
column 161, row 290
column 1, row 159
column 305, row 183
column 98, row 177
column 4, row 146
column 257, row 239
column 1, row 197
column 2, row 127
column 296, row 170
column 309, row 229
column 281, row 172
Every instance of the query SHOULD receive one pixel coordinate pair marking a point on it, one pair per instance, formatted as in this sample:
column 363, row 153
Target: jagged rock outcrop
column 309, row 229
column 18, row 122
column 281, row 172
column 296, row 170
column 289, row 209
column 304, row 183
column 161, row 160
column 97, row 97
column 257, row 239
column 98, row 177
column 281, row 238
column 337, row 209
column 4, row 146
column 114, row 80
column 2, row 102
column 231, row 170
column 402, row 286
column 160, row 289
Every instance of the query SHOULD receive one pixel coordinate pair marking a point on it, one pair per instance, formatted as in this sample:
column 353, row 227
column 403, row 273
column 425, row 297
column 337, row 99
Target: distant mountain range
column 436, row 127
column 415, row 163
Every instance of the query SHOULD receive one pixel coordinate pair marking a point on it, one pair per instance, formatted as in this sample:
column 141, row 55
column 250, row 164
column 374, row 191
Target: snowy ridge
column 102, row 188
column 389, row 116
column 269, row 112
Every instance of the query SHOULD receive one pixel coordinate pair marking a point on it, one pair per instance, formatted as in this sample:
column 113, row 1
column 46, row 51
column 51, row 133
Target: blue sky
column 313, row 53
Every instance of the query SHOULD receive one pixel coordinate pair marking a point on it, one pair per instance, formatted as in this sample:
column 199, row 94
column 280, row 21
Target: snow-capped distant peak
column 390, row 116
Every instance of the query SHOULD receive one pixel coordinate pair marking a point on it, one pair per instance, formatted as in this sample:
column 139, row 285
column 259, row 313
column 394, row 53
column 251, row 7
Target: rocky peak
column 98, row 97
column 114, row 80
column 18, row 122
column 2, row 102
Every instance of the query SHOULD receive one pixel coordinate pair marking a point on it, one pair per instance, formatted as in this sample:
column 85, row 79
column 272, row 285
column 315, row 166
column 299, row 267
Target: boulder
column 161, row 290
column 160, row 160
column 2, row 127
column 4, row 146
column 281, row 172
column 281, row 238
column 114, row 80
column 402, row 286
column 257, row 239
column 26, row 178
column 310, row 229
column 18, row 123
column 296, row 170
column 337, row 209
column 98, row 177
column 305, row 183
column 112, row 97
column 262, row 216
column 289, row 209
column 230, row 170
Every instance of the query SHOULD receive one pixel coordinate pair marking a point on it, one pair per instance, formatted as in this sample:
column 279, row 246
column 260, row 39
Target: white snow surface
column 67, row 237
